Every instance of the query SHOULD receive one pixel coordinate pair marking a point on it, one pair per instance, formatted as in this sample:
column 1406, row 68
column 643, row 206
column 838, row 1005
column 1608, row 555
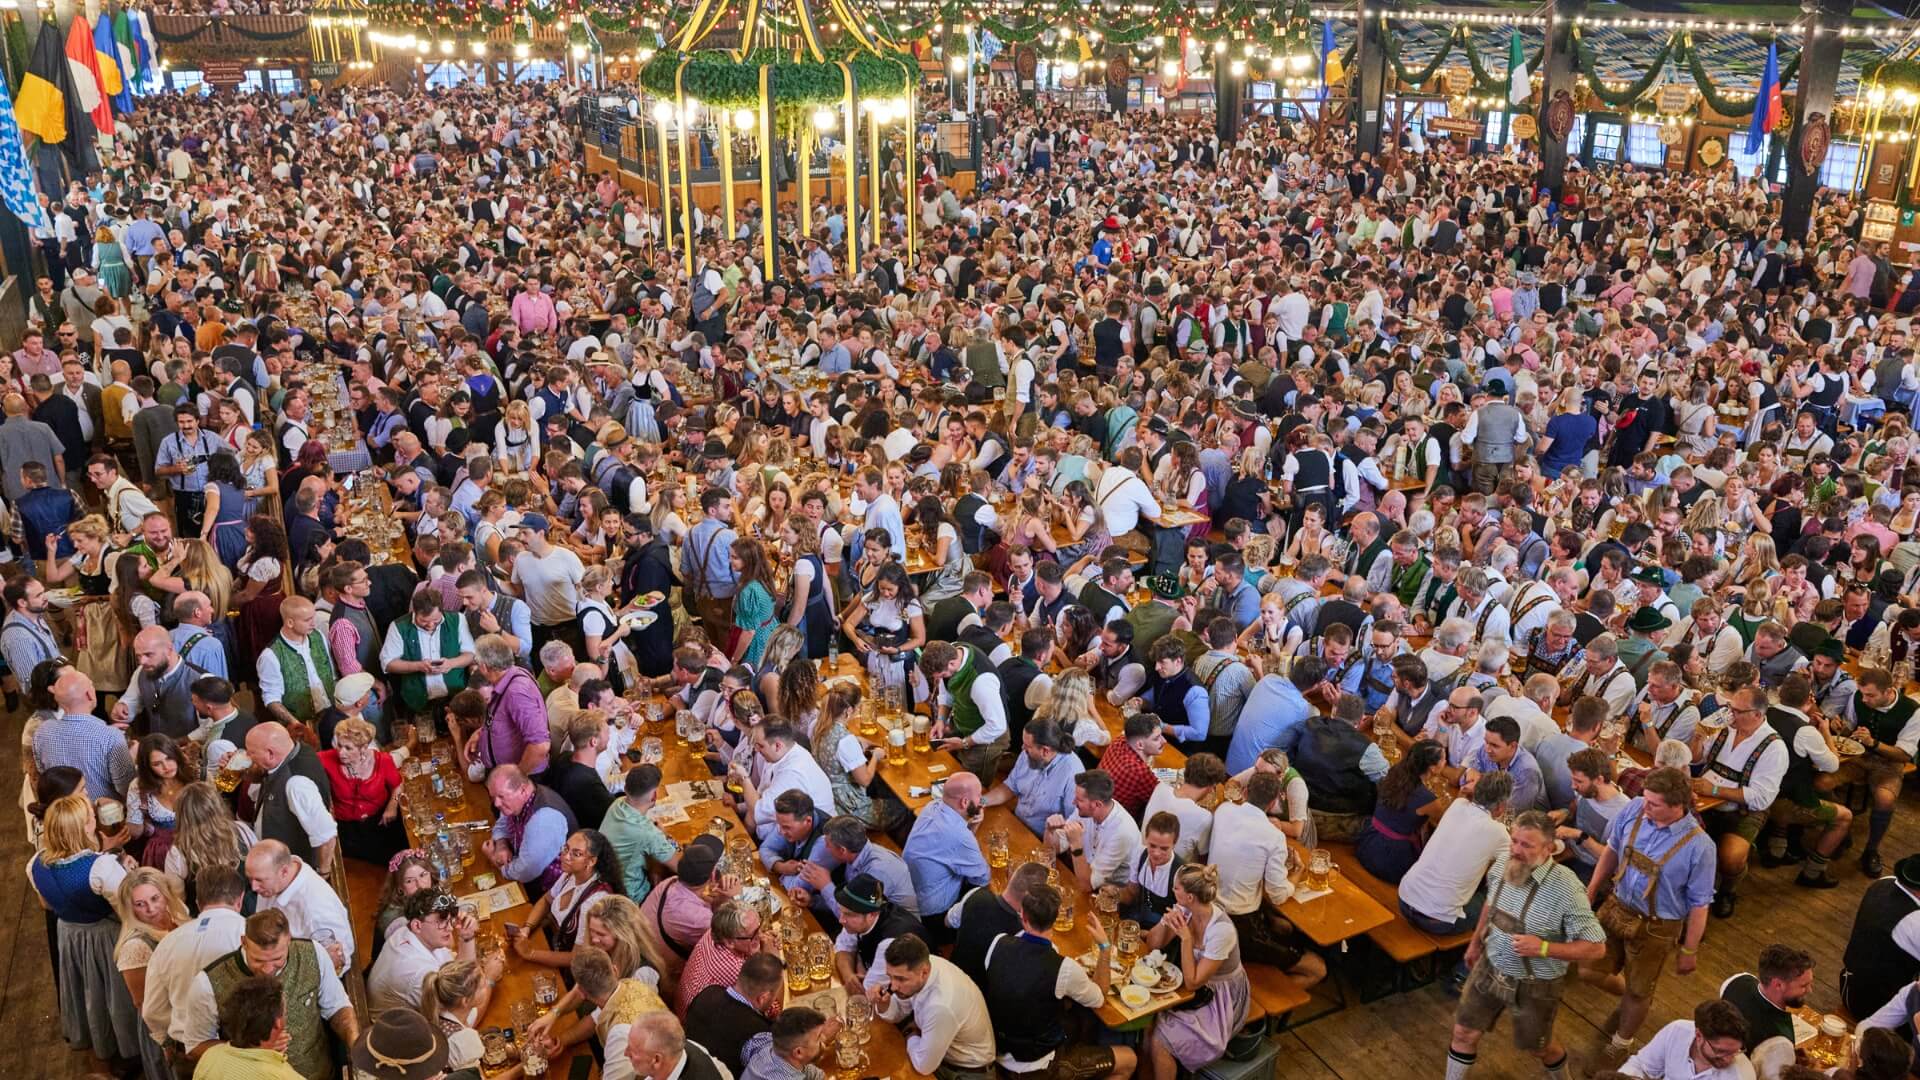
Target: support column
column 1226, row 101
column 1812, row 100
column 1556, row 74
column 1371, row 81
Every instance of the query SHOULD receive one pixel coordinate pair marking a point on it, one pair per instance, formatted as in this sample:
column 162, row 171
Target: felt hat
column 861, row 895
column 1646, row 620
column 400, row 1044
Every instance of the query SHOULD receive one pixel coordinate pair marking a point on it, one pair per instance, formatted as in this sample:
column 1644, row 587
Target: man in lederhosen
column 1535, row 924
column 1657, row 874
column 1743, row 766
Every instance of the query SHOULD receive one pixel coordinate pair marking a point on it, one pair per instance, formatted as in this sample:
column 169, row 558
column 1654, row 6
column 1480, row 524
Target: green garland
column 1894, row 74
column 1711, row 93
column 715, row 78
column 1588, row 64
column 1418, row 80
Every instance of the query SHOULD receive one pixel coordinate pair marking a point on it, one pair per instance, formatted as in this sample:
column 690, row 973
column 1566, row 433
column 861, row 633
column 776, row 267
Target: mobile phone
column 348, row 482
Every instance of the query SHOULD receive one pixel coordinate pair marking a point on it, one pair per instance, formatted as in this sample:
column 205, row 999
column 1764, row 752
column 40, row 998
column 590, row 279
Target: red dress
column 360, row 800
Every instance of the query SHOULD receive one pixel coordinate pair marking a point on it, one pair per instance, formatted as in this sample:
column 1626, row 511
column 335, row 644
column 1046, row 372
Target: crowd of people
column 1399, row 500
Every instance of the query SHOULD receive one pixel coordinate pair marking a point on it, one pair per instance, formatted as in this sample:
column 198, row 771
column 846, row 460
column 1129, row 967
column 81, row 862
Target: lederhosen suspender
column 1745, row 774
column 1528, row 608
column 1513, row 925
column 1649, row 867
column 1480, row 627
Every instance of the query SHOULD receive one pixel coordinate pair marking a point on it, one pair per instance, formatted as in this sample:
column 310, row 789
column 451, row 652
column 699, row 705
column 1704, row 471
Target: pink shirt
column 1859, row 276
column 1502, row 298
column 47, row 363
column 533, row 312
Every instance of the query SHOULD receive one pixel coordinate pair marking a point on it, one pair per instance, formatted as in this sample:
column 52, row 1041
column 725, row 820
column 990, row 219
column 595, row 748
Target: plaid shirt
column 711, row 964
column 1133, row 779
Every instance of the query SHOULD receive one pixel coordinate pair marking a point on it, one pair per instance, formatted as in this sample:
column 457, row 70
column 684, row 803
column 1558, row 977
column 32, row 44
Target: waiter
column 1880, row 957
column 1657, row 877
column 182, row 459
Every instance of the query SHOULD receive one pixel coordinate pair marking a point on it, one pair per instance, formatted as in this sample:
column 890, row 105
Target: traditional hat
column 860, row 895
column 352, row 688
column 1650, row 575
column 1646, row 620
column 1832, row 648
column 400, row 1044
column 1166, row 587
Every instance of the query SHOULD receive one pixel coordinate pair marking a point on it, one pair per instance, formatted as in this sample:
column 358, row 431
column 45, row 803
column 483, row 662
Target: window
column 1744, row 164
column 253, row 83
column 283, row 81
column 186, row 81
column 1577, row 135
column 441, row 76
column 540, row 71
column 1607, row 137
column 1841, row 170
column 1499, row 128
column 1644, row 146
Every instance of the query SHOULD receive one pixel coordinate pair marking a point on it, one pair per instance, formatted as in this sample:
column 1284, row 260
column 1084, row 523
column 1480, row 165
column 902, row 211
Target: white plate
column 1847, row 747
column 1178, row 980
column 640, row 620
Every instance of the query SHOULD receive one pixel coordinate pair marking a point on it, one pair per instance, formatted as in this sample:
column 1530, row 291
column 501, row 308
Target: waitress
column 648, row 568
column 1149, row 891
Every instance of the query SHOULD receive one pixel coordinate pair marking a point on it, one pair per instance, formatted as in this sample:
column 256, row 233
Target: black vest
column 983, row 917
column 277, row 821
column 1096, row 598
column 1764, row 1018
column 1312, row 472
column 893, row 922
column 973, row 535
column 943, row 622
column 984, row 641
column 722, row 1024
column 1169, row 695
column 1107, row 348
column 1875, row 967
column 1016, row 675
column 1328, row 757
column 616, row 480
column 1797, row 785
column 1029, row 1019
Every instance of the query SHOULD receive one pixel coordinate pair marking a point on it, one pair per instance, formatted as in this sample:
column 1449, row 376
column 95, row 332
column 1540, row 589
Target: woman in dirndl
column 154, row 906
column 1209, row 957
column 160, row 773
column 225, row 520
column 111, row 261
column 887, row 626
column 74, row 879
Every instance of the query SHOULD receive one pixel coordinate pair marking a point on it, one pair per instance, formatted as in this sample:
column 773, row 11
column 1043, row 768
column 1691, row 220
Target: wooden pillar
column 1372, row 80
column 1556, row 75
column 1812, row 108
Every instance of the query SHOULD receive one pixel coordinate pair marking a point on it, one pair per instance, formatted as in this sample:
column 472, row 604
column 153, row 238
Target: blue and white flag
column 989, row 46
column 16, row 178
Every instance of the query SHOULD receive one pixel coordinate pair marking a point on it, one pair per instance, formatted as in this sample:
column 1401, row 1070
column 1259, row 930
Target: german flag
column 42, row 104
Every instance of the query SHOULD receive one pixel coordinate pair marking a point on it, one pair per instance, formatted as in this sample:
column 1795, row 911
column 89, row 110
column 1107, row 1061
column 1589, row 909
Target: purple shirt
column 516, row 718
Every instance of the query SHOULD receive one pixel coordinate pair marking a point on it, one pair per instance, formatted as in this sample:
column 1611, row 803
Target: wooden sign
column 1814, row 142
column 1712, row 151
column 1671, row 134
column 1457, row 81
column 1560, row 116
column 1525, row 126
column 1119, row 69
column 1673, row 98
column 1453, row 125
column 224, row 72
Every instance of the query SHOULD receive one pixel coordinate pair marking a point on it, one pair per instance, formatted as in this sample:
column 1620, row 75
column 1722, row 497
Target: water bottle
column 833, row 652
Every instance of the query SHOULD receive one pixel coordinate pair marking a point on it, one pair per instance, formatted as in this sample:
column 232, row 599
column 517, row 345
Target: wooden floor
column 1402, row 1035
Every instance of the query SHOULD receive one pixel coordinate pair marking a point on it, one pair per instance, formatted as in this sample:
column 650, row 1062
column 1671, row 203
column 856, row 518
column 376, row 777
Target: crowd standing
column 1401, row 501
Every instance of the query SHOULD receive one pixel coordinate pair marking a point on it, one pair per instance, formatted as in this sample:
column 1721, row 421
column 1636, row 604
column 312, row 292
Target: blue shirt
column 836, row 360
column 207, row 654
column 776, row 848
column 1571, row 433
column 1551, row 755
column 1243, row 604
column 884, row 513
column 1686, row 882
column 1043, row 792
column 1529, row 790
column 1199, row 714
column 140, row 236
column 175, row 448
column 89, row 744
column 1274, row 715
column 896, row 882
column 540, row 843
column 710, row 543
column 943, row 857
column 1356, row 678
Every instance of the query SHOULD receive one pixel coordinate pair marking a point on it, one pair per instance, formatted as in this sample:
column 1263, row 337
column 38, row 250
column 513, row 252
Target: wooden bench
column 1412, row 953
column 1275, row 995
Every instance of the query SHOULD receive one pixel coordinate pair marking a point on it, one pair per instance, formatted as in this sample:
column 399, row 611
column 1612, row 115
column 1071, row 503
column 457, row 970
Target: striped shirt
column 1559, row 913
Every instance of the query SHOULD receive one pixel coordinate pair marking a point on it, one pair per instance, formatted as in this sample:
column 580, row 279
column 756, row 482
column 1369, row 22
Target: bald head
column 962, row 792
column 268, row 744
column 73, row 692
column 194, row 607
column 14, row 405
column 270, row 867
column 153, row 649
column 296, row 617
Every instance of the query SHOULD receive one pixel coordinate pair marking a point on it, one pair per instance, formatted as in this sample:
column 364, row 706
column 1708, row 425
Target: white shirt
column 1251, row 854
column 129, row 504
column 273, row 684
column 198, row 1019
column 1764, row 784
column 311, row 905
column 1123, row 499
column 1669, row 1056
column 309, row 809
column 1196, row 821
column 1110, row 845
column 951, row 1013
column 796, row 770
column 1071, row 984
column 430, row 648
column 1454, row 862
column 1462, row 744
column 395, row 980
column 179, row 957
column 1535, row 724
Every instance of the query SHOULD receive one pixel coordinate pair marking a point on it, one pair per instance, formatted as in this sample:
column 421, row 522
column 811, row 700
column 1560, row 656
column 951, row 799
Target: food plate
column 1170, row 980
column 649, row 599
column 63, row 598
column 640, row 620
column 1135, row 996
column 1847, row 747
column 840, row 680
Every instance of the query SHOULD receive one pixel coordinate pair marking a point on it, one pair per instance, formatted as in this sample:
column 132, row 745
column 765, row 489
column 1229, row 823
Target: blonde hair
column 632, row 945
column 518, row 414
column 169, row 887
column 204, row 832
column 444, row 989
column 67, row 829
column 1201, row 881
column 596, row 578
column 354, row 733
column 1071, row 700
column 92, row 527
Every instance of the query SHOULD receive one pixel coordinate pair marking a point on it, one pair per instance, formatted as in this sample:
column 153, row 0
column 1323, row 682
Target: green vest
column 307, row 1049
column 297, row 695
column 1150, row 622
column 413, row 685
column 1405, row 583
column 965, row 718
column 983, row 360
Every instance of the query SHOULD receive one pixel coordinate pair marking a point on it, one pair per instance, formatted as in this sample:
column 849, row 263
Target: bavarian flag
column 42, row 106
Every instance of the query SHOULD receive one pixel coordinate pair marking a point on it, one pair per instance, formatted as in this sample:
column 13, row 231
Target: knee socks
column 1458, row 1063
column 1877, row 824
